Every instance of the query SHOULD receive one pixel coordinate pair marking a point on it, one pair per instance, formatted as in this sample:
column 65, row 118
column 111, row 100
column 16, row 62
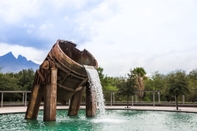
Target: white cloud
column 157, row 35
column 29, row 31
column 45, row 26
column 146, row 34
column 13, row 11
column 59, row 4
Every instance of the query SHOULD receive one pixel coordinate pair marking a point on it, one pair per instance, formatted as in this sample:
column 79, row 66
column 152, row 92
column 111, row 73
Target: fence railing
column 110, row 101
column 134, row 98
column 24, row 98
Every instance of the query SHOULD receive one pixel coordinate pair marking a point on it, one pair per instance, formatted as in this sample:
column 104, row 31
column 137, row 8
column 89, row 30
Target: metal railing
column 24, row 98
column 111, row 101
column 154, row 99
column 134, row 98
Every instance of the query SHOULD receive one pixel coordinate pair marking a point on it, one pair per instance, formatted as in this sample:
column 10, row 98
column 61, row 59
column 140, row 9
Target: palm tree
column 177, row 84
column 140, row 73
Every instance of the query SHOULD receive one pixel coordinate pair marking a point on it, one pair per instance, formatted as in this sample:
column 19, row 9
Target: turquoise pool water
column 114, row 120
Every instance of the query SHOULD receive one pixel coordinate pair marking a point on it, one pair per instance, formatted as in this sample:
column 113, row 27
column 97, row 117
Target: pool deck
column 5, row 110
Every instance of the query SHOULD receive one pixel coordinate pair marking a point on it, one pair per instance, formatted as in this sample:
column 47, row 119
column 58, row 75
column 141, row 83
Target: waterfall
column 95, row 85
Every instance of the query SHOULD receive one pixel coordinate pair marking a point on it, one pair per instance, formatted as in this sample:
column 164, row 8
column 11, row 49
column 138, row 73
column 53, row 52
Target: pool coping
column 22, row 109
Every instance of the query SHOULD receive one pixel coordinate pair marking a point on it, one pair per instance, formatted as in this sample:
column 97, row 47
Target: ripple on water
column 113, row 120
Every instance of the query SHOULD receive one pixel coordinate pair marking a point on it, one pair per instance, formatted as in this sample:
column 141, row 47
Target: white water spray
column 95, row 85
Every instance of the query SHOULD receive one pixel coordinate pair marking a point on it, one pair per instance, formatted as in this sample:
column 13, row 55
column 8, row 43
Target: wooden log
column 90, row 101
column 75, row 103
column 34, row 102
column 50, row 97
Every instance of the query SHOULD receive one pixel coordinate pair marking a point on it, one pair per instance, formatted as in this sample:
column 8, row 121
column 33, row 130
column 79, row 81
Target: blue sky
column 121, row 34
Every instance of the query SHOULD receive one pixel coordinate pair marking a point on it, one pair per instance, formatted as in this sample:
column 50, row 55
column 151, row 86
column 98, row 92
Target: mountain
column 8, row 63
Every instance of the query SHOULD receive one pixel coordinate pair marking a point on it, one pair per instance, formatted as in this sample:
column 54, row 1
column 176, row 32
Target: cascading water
column 95, row 85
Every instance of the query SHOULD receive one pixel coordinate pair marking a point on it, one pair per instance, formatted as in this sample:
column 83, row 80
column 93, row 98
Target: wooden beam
column 50, row 97
column 34, row 102
column 75, row 103
column 91, row 103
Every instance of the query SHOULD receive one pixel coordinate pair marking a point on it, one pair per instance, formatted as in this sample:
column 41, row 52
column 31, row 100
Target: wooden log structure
column 62, row 77
column 91, row 104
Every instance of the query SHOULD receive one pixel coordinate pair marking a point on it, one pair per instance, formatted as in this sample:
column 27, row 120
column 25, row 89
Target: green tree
column 126, row 86
column 100, row 73
column 192, row 80
column 8, row 83
column 177, row 84
column 192, row 77
column 155, row 82
column 25, row 79
column 108, row 83
column 140, row 74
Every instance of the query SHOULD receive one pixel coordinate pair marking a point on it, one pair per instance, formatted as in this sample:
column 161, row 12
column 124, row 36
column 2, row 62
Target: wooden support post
column 50, row 97
column 90, row 101
column 34, row 102
column 75, row 103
